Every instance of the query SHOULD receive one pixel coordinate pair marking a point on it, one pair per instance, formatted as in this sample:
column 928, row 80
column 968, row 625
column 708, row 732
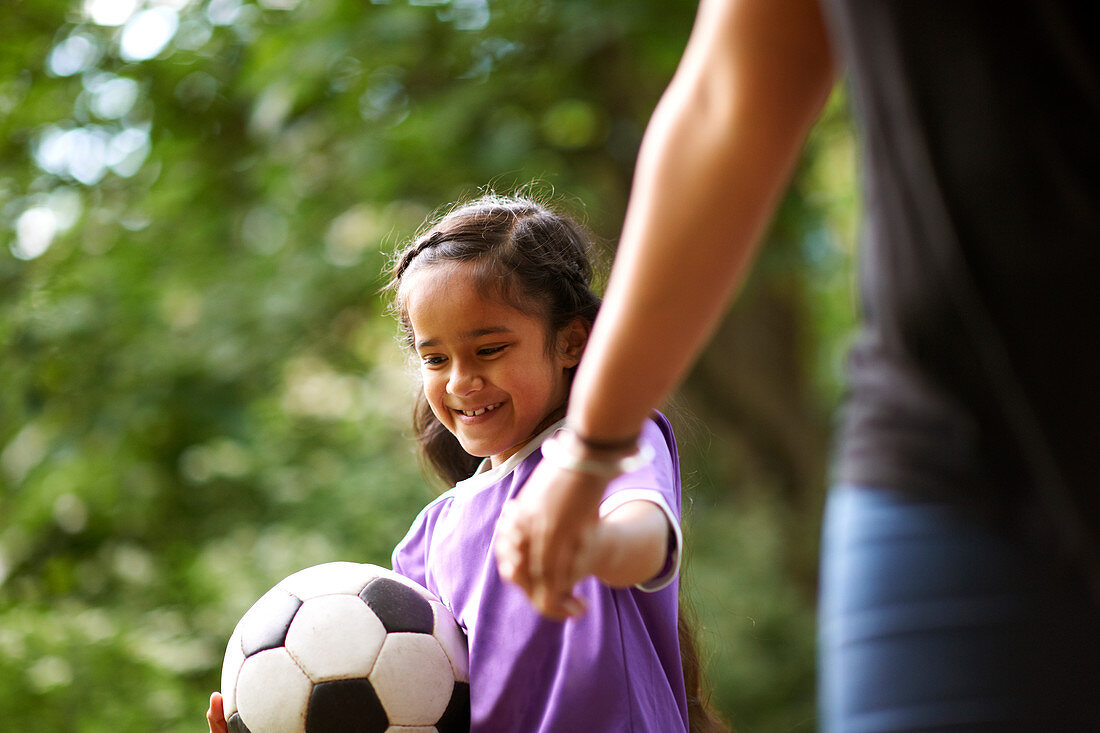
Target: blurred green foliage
column 199, row 390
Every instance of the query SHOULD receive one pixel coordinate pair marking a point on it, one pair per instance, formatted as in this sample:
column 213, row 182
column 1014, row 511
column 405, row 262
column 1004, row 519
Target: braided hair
column 529, row 256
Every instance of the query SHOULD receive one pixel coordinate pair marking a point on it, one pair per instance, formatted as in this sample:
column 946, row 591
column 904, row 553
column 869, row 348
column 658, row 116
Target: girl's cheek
column 439, row 411
column 433, row 392
column 430, row 391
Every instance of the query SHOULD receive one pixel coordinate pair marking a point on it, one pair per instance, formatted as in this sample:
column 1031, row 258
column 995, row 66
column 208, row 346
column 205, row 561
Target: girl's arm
column 629, row 546
column 714, row 162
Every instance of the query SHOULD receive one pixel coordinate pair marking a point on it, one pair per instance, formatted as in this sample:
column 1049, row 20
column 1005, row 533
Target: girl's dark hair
column 702, row 717
column 532, row 258
column 538, row 261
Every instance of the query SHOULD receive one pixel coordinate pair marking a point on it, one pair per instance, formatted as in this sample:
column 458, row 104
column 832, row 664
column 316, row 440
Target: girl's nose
column 464, row 382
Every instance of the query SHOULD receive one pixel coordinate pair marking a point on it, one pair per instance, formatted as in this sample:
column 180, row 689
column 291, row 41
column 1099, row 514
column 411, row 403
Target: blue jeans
column 932, row 620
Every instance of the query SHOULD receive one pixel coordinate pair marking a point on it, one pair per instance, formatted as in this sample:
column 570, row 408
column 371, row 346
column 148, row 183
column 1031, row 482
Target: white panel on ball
column 412, row 678
column 231, row 667
column 331, row 577
column 452, row 640
column 335, row 638
column 273, row 692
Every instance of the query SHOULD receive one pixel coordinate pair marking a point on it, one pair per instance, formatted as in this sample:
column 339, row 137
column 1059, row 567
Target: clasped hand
column 546, row 538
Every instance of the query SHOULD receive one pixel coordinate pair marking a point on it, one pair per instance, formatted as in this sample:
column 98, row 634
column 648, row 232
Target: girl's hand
column 543, row 536
column 215, row 715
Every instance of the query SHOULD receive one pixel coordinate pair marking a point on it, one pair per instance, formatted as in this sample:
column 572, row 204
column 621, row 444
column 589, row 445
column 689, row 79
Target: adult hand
column 543, row 536
column 215, row 714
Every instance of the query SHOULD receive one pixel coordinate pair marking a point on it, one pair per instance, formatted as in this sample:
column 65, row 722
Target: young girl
column 496, row 304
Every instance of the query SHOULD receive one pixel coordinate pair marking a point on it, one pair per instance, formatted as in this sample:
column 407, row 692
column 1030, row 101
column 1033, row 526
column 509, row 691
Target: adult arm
column 715, row 159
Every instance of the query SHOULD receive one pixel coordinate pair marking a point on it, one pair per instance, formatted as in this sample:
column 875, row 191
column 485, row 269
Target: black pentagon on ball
column 236, row 725
column 456, row 718
column 345, row 706
column 398, row 606
column 266, row 623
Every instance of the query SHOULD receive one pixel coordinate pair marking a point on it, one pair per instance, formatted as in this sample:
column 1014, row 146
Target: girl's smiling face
column 489, row 375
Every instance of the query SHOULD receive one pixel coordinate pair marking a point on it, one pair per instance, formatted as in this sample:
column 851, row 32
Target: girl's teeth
column 475, row 413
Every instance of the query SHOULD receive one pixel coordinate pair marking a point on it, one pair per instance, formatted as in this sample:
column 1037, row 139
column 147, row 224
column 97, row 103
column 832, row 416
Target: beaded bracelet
column 603, row 445
column 560, row 455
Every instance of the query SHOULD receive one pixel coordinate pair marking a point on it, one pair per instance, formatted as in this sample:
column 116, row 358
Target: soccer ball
column 345, row 647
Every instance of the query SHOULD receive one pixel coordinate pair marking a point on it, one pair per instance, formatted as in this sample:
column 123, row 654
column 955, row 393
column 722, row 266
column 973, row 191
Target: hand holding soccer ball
column 344, row 647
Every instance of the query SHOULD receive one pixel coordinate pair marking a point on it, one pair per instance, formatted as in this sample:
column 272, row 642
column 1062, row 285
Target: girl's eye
column 432, row 360
column 491, row 350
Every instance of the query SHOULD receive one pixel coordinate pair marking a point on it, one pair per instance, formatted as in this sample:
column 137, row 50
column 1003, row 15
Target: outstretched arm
column 715, row 160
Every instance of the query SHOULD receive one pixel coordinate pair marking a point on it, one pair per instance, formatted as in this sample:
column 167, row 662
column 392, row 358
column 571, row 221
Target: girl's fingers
column 541, row 532
column 558, row 576
column 215, row 714
column 556, row 607
column 584, row 559
column 552, row 593
column 509, row 559
column 574, row 606
column 522, row 578
column 510, row 547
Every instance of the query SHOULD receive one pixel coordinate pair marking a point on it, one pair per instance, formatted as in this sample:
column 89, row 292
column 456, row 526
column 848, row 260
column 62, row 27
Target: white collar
column 486, row 475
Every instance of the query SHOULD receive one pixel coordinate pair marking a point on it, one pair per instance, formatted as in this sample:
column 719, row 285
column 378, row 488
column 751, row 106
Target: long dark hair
column 539, row 261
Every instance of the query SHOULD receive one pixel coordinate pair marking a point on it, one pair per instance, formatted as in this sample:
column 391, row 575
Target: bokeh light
column 87, row 153
column 73, row 55
column 35, row 230
column 223, row 12
column 112, row 96
column 127, row 151
column 467, row 15
column 279, row 4
column 147, row 33
column 79, row 153
column 109, row 12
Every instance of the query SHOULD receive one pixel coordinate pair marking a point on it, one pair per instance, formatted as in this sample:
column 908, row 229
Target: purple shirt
column 617, row 668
